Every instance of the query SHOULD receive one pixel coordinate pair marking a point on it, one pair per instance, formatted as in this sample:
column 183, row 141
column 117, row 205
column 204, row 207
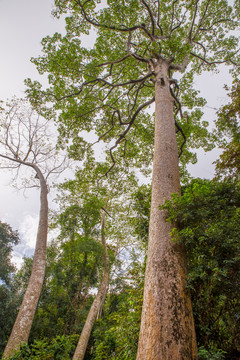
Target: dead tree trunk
column 23, row 323
column 97, row 303
column 167, row 327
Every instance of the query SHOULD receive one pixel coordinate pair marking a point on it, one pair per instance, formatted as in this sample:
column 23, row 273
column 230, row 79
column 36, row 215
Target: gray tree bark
column 97, row 303
column 167, row 326
column 23, row 323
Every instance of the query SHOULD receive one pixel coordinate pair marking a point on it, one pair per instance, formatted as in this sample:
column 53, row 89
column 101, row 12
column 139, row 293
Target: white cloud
column 28, row 233
column 28, row 230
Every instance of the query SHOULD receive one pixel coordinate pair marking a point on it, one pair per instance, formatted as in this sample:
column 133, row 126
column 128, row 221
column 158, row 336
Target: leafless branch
column 25, row 140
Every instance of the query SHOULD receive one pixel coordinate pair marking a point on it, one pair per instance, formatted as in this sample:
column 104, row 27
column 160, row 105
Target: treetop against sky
column 109, row 86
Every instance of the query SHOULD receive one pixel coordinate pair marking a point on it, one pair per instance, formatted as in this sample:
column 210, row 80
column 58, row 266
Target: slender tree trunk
column 167, row 327
column 97, row 303
column 23, row 323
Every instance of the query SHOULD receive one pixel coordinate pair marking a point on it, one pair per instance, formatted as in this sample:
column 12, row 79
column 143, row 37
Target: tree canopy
column 228, row 136
column 108, row 86
column 8, row 302
column 8, row 238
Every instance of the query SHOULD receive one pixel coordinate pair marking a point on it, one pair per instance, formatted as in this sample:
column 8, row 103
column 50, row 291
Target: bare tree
column 24, row 142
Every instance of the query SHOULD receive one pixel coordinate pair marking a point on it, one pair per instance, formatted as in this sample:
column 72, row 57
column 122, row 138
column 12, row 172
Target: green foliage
column 116, row 334
column 207, row 218
column 8, row 238
column 228, row 116
column 9, row 302
column 75, row 261
column 9, row 299
column 84, row 217
column 107, row 87
column 141, row 200
column 228, row 164
column 72, row 270
column 106, row 90
column 22, row 276
column 121, row 328
column 60, row 348
column 211, row 354
column 207, row 222
column 228, row 136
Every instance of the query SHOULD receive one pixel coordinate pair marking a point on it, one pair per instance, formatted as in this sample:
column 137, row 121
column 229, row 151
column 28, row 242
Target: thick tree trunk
column 167, row 327
column 96, row 305
column 23, row 323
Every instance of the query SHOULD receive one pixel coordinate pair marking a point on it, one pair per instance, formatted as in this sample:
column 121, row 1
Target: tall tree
column 90, row 199
column 98, row 302
column 23, row 143
column 139, row 45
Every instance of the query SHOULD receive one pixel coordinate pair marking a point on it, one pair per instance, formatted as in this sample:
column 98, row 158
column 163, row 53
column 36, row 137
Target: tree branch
column 151, row 16
column 181, row 67
column 201, row 20
column 105, row 82
column 158, row 23
column 121, row 137
column 176, row 123
column 122, row 27
column 214, row 62
column 114, row 62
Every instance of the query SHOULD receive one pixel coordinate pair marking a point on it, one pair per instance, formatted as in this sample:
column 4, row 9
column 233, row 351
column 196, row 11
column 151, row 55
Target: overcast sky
column 23, row 23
